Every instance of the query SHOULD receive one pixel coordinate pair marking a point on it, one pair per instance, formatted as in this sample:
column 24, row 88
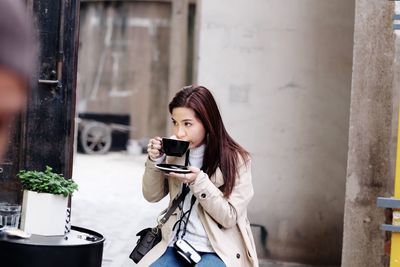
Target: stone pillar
column 178, row 46
column 369, row 168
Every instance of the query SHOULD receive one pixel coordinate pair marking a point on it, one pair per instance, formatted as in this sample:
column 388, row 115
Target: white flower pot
column 43, row 213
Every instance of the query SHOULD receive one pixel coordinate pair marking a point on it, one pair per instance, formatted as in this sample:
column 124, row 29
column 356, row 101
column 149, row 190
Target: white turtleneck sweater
column 195, row 232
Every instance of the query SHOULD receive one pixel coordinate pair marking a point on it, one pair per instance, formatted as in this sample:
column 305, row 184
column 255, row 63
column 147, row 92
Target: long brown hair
column 221, row 150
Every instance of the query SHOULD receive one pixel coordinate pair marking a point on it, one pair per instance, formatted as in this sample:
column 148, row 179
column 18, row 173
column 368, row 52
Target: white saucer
column 172, row 168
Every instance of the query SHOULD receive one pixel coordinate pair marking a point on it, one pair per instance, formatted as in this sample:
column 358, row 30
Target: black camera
column 187, row 252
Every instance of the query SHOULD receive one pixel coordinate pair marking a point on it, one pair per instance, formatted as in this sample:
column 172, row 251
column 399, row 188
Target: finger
column 152, row 150
column 156, row 146
column 150, row 147
column 194, row 169
column 150, row 144
column 155, row 141
column 151, row 153
column 178, row 176
column 172, row 174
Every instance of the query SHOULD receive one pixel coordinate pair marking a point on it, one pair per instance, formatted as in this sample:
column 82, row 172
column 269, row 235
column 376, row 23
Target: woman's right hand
column 154, row 148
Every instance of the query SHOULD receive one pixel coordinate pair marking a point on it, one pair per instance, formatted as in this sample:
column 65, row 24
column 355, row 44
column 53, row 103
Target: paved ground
column 110, row 202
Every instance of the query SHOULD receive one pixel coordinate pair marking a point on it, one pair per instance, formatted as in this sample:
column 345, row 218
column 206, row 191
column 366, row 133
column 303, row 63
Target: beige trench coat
column 225, row 220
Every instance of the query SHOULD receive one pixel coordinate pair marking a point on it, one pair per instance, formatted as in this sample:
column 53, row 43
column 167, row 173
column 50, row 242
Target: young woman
column 213, row 216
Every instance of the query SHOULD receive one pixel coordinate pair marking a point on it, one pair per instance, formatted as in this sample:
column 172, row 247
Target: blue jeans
column 172, row 259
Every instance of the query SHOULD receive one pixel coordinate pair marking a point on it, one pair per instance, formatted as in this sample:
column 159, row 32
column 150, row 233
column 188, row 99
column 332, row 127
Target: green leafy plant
column 47, row 182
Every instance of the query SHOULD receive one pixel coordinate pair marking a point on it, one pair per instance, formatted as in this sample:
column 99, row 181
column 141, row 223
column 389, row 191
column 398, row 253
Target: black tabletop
column 77, row 237
column 79, row 248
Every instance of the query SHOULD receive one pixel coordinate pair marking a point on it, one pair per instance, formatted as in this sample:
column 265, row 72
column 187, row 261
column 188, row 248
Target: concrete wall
column 281, row 72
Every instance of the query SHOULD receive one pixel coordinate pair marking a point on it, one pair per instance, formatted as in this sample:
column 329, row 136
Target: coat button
column 238, row 256
column 219, row 226
column 203, row 195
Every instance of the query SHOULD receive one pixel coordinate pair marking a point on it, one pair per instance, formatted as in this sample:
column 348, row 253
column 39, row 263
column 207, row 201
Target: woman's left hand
column 186, row 178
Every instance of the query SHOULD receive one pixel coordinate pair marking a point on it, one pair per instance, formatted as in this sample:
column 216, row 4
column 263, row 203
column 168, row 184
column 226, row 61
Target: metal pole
column 395, row 242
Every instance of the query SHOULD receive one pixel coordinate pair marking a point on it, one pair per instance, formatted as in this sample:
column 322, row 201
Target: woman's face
column 187, row 127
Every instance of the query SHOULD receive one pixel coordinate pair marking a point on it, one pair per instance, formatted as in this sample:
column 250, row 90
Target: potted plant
column 45, row 200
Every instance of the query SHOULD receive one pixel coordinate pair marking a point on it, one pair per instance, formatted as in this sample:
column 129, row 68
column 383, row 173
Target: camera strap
column 184, row 219
column 174, row 205
column 187, row 157
column 185, row 188
column 177, row 200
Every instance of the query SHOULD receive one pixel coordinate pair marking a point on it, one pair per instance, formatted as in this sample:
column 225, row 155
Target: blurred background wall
column 281, row 72
column 124, row 57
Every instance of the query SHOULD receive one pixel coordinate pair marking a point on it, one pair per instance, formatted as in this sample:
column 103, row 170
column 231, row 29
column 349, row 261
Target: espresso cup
column 174, row 147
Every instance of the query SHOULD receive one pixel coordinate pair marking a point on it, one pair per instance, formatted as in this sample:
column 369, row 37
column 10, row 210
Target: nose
column 181, row 133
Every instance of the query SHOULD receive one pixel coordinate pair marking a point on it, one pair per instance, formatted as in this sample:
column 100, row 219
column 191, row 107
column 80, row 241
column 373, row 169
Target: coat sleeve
column 225, row 211
column 154, row 184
